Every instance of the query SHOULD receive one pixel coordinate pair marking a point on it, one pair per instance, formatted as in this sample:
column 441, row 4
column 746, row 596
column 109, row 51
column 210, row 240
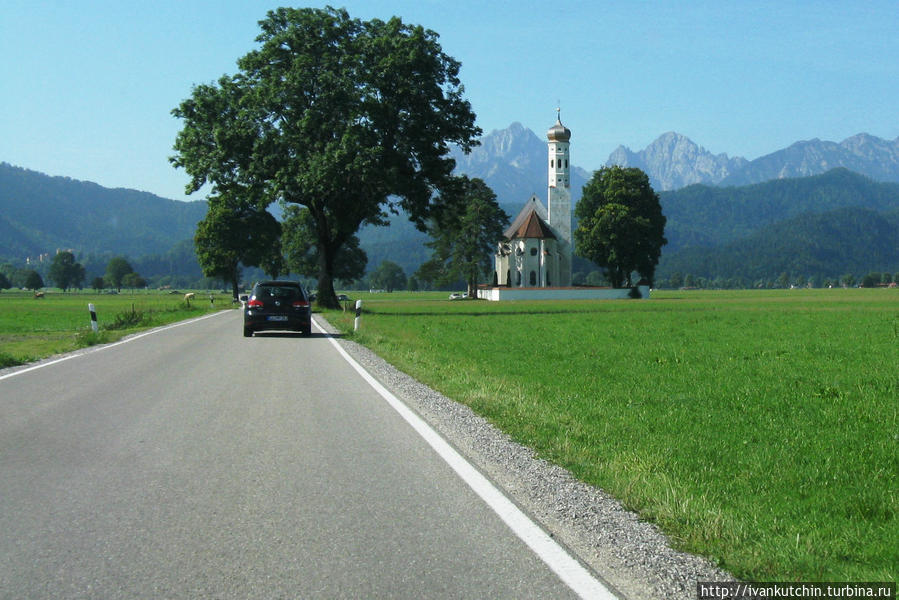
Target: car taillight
column 254, row 303
column 300, row 304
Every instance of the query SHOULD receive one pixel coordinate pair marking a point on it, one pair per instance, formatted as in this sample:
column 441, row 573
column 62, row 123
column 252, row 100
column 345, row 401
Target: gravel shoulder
column 633, row 556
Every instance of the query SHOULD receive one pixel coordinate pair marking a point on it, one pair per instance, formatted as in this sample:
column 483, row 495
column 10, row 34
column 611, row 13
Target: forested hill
column 821, row 227
column 701, row 215
column 40, row 213
column 811, row 246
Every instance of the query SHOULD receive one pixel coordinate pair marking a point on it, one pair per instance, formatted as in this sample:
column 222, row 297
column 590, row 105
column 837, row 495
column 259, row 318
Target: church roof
column 529, row 225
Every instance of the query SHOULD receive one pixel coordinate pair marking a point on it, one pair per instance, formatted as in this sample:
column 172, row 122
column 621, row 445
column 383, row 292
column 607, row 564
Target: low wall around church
column 568, row 293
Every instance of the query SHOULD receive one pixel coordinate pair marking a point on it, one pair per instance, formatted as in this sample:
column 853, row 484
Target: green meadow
column 34, row 328
column 758, row 428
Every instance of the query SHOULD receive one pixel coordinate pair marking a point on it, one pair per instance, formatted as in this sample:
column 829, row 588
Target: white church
column 533, row 260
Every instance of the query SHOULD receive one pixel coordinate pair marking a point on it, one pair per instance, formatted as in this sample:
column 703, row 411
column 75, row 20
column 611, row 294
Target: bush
column 9, row 361
column 125, row 320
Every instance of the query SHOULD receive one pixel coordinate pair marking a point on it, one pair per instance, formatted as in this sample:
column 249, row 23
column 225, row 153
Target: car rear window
column 284, row 292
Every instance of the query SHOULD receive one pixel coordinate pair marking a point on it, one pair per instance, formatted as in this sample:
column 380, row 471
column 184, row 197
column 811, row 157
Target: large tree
column 298, row 243
column 236, row 231
column 465, row 237
column 620, row 224
column 65, row 272
column 348, row 118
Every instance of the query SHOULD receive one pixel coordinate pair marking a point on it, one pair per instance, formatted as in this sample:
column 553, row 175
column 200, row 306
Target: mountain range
column 674, row 161
column 713, row 205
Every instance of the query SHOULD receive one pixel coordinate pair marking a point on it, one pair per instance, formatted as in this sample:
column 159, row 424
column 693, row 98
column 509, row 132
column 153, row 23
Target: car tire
column 247, row 332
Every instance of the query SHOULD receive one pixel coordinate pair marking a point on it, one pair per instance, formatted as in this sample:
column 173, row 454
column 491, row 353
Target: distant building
column 533, row 260
column 536, row 249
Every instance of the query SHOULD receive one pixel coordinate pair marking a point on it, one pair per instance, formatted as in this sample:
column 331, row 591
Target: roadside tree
column 234, row 232
column 464, row 238
column 65, row 272
column 620, row 224
column 301, row 252
column 351, row 119
column 5, row 283
column 98, row 284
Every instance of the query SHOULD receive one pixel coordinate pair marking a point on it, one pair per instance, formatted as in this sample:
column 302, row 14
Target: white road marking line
column 92, row 349
column 569, row 570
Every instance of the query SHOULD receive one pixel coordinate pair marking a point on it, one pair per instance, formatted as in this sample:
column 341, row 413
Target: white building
column 536, row 249
column 533, row 261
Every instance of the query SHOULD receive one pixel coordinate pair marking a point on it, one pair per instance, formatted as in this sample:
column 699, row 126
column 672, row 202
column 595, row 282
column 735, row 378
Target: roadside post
column 90, row 307
column 358, row 314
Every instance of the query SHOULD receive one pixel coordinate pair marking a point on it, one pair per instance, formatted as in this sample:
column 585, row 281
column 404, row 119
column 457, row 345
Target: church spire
column 559, row 194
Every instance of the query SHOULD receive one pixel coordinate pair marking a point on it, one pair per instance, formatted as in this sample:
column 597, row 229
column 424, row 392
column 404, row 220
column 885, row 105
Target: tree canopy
column 620, row 224
column 236, row 232
column 388, row 276
column 116, row 269
column 65, row 272
column 351, row 119
column 301, row 252
column 33, row 280
column 465, row 238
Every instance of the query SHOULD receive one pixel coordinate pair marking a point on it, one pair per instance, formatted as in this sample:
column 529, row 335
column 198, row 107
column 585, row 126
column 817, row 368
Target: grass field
column 759, row 428
column 33, row 328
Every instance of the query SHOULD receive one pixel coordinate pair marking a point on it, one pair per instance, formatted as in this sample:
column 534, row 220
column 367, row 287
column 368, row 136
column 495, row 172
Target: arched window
column 533, row 278
column 552, row 163
column 533, row 252
column 518, row 278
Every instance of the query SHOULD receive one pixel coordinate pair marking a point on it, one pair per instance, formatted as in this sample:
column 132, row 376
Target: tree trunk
column 326, row 297
column 235, row 276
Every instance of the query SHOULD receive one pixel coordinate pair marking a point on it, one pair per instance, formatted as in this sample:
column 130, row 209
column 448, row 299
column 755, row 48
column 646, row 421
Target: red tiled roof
column 529, row 225
column 534, row 227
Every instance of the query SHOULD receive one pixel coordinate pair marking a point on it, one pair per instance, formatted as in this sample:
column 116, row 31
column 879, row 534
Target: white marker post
column 90, row 307
column 358, row 314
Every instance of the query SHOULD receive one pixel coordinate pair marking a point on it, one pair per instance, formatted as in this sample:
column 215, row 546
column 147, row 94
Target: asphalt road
column 195, row 463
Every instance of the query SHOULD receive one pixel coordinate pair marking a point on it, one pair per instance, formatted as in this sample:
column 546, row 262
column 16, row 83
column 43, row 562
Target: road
column 195, row 463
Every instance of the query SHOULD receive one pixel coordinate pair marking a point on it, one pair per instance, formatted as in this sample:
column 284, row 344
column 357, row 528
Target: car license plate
column 277, row 318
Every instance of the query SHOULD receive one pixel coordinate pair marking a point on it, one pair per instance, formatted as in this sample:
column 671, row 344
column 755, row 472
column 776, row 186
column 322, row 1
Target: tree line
column 67, row 274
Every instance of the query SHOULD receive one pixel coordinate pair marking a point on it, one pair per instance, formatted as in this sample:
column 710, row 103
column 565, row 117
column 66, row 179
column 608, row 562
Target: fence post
column 90, row 307
column 358, row 314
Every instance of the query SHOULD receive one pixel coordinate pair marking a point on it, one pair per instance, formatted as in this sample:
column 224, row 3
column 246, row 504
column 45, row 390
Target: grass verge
column 35, row 328
column 760, row 429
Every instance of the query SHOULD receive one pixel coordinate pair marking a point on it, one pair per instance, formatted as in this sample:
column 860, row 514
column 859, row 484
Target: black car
column 277, row 305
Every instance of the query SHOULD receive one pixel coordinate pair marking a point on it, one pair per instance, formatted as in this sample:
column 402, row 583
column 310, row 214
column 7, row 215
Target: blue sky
column 88, row 86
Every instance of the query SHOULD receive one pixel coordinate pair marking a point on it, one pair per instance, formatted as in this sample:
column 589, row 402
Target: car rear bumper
column 265, row 322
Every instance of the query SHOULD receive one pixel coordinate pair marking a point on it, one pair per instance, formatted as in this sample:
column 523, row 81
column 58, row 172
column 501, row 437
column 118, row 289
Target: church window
column 518, row 279
column 533, row 252
column 533, row 278
column 566, row 163
column 551, row 163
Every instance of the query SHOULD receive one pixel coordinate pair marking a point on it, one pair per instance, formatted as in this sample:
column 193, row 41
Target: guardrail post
column 358, row 314
column 90, row 307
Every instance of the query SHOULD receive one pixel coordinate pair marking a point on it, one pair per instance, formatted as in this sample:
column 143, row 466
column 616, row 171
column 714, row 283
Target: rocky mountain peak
column 674, row 161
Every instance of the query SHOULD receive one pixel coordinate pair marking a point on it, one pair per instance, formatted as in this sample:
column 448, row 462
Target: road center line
column 569, row 570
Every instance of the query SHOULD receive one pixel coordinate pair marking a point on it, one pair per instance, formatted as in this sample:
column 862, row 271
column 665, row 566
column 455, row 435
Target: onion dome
column 558, row 132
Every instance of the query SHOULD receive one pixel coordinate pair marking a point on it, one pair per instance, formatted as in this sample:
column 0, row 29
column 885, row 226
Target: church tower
column 559, row 197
